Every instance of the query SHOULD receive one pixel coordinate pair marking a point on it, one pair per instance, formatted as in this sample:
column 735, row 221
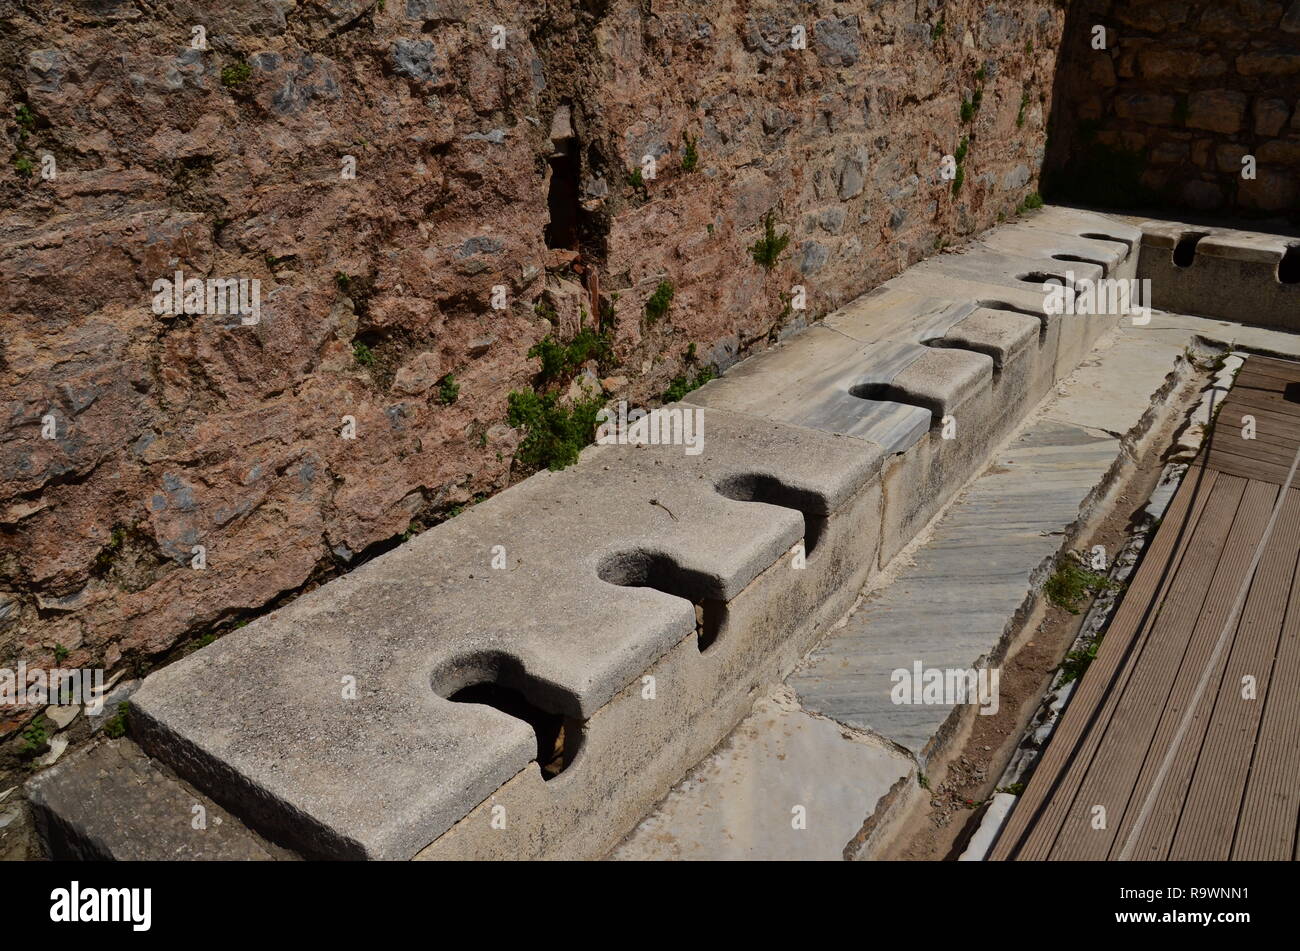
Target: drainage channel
column 981, row 832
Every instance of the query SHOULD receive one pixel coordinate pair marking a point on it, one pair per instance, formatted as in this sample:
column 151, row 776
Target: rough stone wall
column 176, row 431
column 1183, row 90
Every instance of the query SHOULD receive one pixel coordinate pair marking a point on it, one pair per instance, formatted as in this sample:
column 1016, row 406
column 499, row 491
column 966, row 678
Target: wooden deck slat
column 1263, row 399
column 1282, row 424
column 1249, row 469
column 1256, row 374
column 1267, row 431
column 1221, row 780
column 1270, row 365
column 1272, row 799
column 1207, row 825
column 1253, row 450
column 1253, row 640
column 1198, row 603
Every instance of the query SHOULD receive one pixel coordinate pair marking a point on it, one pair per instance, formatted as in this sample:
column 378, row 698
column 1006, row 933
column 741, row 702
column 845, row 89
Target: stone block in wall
column 1280, row 152
column 1127, row 65
column 1217, row 110
column 1170, row 153
column 1203, row 196
column 1271, row 190
column 1271, row 115
column 1256, row 14
column 1154, row 17
column 1102, row 71
column 1178, row 64
column 1154, row 179
column 1271, row 62
column 1219, row 18
column 1146, row 107
column 1291, row 19
column 836, row 40
column 1228, row 155
column 1202, row 152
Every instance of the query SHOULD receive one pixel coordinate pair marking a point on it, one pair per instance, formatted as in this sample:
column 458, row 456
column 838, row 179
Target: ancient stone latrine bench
column 1215, row 272
column 530, row 677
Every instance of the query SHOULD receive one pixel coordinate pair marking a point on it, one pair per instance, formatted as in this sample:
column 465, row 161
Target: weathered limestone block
column 1155, row 108
column 1217, row 110
column 1271, row 116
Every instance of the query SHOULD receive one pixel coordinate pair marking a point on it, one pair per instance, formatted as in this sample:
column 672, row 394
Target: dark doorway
column 562, row 199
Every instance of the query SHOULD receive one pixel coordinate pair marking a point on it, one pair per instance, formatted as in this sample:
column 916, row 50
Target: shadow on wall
column 1194, row 107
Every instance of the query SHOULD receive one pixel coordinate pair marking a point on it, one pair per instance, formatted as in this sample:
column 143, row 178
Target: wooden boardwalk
column 1182, row 741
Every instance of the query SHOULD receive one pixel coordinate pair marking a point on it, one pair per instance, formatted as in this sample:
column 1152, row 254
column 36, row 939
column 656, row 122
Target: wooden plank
column 1213, row 798
column 1285, row 369
column 1249, row 380
column 1264, row 399
column 1272, row 799
column 1199, row 601
column 1250, row 469
column 1049, row 786
column 1260, row 623
column 1224, row 778
column 1269, row 427
column 1231, row 409
column 1255, row 450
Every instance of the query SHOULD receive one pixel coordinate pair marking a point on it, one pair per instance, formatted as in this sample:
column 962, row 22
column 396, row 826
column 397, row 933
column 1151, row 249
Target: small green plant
column 60, row 653
column 981, row 74
column 1032, row 203
column 1024, row 104
column 922, row 780
column 767, row 249
column 690, row 156
column 958, row 180
column 560, row 360
column 233, row 74
column 25, row 166
column 115, row 726
column 25, row 118
column 1029, row 45
column 554, row 435
column 35, row 736
column 963, row 149
column 659, row 302
column 363, row 354
column 203, row 640
column 967, row 110
column 1015, row 789
column 1071, row 583
column 681, row 384
column 1076, row 662
column 937, row 31
column 637, row 181
column 448, row 390
column 108, row 554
